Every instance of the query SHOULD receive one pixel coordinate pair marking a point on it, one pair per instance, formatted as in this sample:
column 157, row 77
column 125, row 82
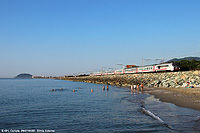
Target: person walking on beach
column 134, row 88
column 141, row 87
column 131, row 87
column 138, row 88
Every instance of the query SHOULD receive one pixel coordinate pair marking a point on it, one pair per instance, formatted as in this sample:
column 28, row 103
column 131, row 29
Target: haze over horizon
column 56, row 38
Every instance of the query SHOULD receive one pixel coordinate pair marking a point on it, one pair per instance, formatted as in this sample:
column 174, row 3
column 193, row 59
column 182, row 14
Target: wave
column 149, row 113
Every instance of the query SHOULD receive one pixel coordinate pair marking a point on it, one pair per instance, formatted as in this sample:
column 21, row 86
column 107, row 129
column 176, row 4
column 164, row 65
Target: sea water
column 30, row 105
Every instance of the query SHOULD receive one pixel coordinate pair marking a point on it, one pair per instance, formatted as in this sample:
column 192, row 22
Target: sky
column 62, row 37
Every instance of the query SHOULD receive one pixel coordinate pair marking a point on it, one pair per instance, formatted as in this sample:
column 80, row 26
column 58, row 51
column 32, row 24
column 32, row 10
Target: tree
column 186, row 65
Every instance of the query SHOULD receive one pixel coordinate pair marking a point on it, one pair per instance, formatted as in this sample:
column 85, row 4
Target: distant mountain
column 185, row 58
column 24, row 76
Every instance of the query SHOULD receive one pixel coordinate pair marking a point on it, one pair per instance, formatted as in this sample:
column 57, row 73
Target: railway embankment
column 189, row 79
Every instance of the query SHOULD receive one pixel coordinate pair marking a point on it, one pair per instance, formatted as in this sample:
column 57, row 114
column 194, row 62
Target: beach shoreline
column 180, row 88
column 187, row 98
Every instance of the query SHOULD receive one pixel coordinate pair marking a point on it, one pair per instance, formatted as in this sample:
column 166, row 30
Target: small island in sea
column 24, row 76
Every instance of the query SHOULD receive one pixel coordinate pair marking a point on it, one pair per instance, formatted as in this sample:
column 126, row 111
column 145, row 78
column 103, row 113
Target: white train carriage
column 119, row 71
column 107, row 73
column 146, row 69
column 110, row 72
column 140, row 69
column 130, row 70
column 96, row 74
column 103, row 73
column 166, row 67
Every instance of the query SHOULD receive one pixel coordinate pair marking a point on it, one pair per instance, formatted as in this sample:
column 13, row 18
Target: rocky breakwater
column 188, row 79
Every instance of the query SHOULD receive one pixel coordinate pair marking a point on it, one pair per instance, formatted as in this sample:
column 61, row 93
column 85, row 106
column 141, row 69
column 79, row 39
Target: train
column 167, row 66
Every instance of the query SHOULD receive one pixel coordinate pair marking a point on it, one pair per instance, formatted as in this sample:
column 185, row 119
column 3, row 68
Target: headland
column 24, row 76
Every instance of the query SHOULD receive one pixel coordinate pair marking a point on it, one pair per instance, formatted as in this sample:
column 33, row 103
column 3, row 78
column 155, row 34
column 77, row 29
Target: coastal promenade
column 181, row 88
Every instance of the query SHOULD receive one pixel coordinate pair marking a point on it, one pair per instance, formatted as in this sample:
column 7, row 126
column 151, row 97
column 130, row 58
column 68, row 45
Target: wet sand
column 182, row 97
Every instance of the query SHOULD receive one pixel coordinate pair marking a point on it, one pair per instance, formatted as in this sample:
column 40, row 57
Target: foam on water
column 149, row 113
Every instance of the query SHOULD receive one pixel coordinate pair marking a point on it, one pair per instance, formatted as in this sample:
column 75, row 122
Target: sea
column 30, row 105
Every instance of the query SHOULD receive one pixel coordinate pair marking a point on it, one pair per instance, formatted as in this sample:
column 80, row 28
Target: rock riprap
column 162, row 79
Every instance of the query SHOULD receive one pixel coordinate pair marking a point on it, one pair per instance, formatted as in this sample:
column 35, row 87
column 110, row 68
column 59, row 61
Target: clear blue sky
column 60, row 37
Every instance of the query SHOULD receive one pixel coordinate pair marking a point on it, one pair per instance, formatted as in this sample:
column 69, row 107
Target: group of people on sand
column 137, row 87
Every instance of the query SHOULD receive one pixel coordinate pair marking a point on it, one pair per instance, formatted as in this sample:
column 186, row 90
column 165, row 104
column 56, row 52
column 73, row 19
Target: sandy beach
column 183, row 97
